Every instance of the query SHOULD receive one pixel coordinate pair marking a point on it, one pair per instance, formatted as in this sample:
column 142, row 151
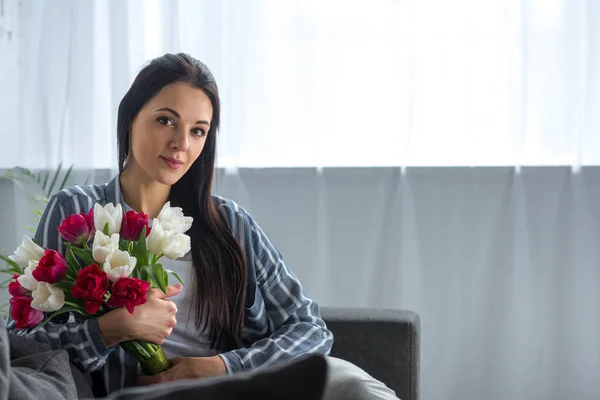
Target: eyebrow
column 175, row 113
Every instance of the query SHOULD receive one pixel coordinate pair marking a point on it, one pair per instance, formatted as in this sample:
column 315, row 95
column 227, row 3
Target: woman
column 241, row 307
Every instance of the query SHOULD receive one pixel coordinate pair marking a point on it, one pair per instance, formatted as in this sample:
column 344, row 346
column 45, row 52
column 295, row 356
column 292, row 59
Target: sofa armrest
column 385, row 343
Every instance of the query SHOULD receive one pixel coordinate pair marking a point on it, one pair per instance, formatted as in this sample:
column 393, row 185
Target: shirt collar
column 115, row 195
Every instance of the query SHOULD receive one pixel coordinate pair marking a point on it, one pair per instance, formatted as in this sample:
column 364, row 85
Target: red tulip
column 78, row 228
column 128, row 293
column 91, row 285
column 132, row 225
column 15, row 289
column 51, row 268
column 24, row 315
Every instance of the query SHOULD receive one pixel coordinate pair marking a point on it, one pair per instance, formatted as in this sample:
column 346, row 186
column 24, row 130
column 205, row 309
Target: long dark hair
column 218, row 260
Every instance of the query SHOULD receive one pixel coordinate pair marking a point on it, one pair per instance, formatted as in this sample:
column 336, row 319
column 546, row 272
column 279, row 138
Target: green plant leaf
column 54, row 178
column 43, row 199
column 141, row 247
column 175, row 275
column 5, row 283
column 66, row 177
column 23, row 188
column 155, row 275
column 72, row 263
column 160, row 274
column 9, row 261
column 45, row 184
column 84, row 255
column 63, row 311
column 12, row 270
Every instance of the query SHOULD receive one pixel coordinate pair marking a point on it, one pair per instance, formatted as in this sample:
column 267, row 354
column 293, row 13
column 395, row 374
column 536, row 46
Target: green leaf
column 46, row 176
column 4, row 283
column 175, row 275
column 136, row 273
column 43, row 199
column 105, row 229
column 142, row 273
column 63, row 311
column 84, row 255
column 31, row 229
column 155, row 275
column 65, row 285
column 54, row 178
column 11, row 270
column 72, row 263
column 142, row 250
column 9, row 261
column 161, row 276
column 37, row 212
column 66, row 177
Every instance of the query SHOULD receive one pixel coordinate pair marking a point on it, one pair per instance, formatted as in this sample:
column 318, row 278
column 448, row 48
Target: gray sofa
column 385, row 343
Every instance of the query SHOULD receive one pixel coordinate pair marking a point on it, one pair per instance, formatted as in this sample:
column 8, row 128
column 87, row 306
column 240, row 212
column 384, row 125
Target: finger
column 159, row 294
column 172, row 290
column 148, row 379
column 176, row 360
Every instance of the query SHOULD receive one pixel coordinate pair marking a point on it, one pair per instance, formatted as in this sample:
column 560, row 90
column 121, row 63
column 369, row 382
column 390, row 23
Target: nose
column 180, row 140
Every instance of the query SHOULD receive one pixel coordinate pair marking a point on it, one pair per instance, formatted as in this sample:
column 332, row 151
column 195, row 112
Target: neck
column 143, row 194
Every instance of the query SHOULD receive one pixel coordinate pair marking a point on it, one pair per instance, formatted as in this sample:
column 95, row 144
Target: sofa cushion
column 303, row 379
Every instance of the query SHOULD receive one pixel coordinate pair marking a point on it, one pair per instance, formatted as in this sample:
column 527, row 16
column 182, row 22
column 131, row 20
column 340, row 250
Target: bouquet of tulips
column 111, row 260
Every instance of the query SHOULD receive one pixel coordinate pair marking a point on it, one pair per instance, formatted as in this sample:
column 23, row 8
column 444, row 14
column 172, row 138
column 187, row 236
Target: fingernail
column 178, row 286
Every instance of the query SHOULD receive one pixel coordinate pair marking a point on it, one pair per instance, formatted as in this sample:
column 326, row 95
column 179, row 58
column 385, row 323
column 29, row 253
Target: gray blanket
column 31, row 370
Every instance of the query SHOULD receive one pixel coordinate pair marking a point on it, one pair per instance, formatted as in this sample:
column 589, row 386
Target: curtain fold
column 502, row 267
column 320, row 84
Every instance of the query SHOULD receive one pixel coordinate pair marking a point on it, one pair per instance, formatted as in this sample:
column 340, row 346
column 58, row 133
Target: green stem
column 150, row 347
column 141, row 350
column 78, row 306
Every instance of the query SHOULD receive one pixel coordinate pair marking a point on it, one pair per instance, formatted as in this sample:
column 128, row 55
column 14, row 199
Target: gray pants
column 346, row 381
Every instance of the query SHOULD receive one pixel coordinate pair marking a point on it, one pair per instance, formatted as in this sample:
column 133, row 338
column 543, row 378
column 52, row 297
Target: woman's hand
column 151, row 322
column 187, row 368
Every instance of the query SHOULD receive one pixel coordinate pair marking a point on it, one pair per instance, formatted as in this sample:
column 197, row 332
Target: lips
column 171, row 162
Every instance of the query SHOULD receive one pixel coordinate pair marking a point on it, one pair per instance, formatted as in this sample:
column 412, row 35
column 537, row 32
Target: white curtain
column 314, row 83
column 502, row 267
column 500, row 263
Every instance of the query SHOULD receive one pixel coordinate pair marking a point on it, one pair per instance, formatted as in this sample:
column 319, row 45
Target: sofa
column 385, row 343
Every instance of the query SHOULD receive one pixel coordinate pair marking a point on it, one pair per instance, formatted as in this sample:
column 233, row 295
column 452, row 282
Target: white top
column 185, row 340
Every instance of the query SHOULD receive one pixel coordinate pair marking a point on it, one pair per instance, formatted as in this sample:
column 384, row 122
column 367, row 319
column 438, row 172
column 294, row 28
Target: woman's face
column 169, row 132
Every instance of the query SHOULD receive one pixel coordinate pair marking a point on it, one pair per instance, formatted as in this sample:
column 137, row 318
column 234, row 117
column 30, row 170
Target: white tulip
column 119, row 264
column 26, row 279
column 104, row 245
column 156, row 238
column 109, row 214
column 176, row 245
column 26, row 251
column 47, row 298
column 172, row 219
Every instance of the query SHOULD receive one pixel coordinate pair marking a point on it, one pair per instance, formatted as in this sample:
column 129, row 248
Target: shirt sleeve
column 81, row 339
column 295, row 323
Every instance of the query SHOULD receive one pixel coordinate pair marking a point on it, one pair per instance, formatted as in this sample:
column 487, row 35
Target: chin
column 168, row 177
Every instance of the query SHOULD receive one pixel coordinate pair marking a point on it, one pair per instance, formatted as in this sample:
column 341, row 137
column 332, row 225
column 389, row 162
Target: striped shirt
column 280, row 320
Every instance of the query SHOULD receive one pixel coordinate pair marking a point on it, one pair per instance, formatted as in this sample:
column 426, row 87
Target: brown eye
column 165, row 121
column 199, row 132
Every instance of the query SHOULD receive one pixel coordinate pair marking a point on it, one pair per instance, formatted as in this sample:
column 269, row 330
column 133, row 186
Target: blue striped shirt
column 280, row 320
